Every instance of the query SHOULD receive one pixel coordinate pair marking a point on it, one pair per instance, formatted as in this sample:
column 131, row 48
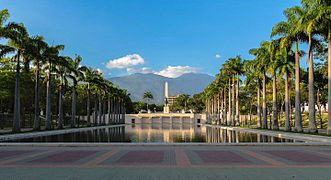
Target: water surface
column 157, row 133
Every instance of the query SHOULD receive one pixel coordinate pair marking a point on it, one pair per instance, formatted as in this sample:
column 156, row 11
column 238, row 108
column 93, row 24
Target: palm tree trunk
column 120, row 112
column 298, row 117
column 112, row 111
column 274, row 103
column 319, row 106
column 73, row 105
column 88, row 105
column 225, row 109
column 104, row 113
column 60, row 122
column 221, row 108
column 230, row 109
column 36, row 124
column 237, row 101
column 312, row 118
column 287, row 104
column 17, row 104
column 329, row 84
column 264, row 103
column 123, row 112
column 100, row 110
column 109, row 111
column 115, row 111
column 48, row 100
column 218, row 108
column 258, row 107
column 95, row 118
column 233, row 103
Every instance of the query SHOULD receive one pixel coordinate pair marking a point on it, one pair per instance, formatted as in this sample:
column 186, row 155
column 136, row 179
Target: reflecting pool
column 157, row 133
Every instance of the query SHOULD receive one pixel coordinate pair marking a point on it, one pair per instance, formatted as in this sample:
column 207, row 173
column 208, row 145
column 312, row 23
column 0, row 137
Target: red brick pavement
column 181, row 156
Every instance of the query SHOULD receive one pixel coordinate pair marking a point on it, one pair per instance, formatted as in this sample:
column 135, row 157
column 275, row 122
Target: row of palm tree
column 47, row 60
column 276, row 59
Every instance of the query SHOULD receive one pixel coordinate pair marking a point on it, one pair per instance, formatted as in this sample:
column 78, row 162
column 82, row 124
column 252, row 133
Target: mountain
column 137, row 84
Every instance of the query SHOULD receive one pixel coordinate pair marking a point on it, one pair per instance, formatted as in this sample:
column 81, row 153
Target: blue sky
column 166, row 37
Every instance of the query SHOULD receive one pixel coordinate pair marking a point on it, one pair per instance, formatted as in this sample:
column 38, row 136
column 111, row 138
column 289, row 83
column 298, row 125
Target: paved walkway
column 166, row 162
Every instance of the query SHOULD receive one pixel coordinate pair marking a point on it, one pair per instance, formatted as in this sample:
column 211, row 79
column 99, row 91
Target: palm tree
column 18, row 43
column 253, row 78
column 148, row 96
column 318, row 21
column 274, row 65
column 61, row 71
column 52, row 58
column 38, row 48
column 262, row 63
column 288, row 31
column 233, row 67
column 307, row 24
column 286, row 59
column 91, row 77
column 77, row 74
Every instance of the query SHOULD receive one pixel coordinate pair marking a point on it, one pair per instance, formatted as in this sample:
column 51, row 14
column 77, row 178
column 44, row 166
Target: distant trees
column 148, row 96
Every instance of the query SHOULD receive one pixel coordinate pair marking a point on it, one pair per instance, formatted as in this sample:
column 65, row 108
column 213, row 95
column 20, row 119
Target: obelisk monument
column 166, row 95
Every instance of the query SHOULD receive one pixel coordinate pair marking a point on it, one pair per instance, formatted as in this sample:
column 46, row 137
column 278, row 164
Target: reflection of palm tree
column 148, row 96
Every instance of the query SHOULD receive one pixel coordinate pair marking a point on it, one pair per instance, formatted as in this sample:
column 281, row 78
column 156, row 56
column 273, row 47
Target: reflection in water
column 221, row 135
column 163, row 133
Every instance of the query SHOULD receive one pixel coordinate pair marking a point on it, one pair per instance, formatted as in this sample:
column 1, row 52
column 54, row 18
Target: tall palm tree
column 253, row 78
column 19, row 43
column 308, row 25
column 52, row 58
column 77, row 74
column 318, row 21
column 288, row 31
column 274, row 65
column 286, row 60
column 91, row 77
column 61, row 71
column 262, row 63
column 234, row 67
column 38, row 48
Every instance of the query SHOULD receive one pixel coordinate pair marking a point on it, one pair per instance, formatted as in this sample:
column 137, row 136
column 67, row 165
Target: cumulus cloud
column 144, row 70
column 99, row 70
column 176, row 71
column 170, row 71
column 217, row 56
column 125, row 62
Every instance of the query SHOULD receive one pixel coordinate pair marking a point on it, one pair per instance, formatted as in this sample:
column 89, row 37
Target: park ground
column 160, row 161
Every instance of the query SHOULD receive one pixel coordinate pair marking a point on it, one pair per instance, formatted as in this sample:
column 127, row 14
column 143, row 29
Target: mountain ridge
column 138, row 83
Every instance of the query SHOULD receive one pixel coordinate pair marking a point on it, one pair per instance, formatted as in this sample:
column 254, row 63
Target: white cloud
column 170, row 71
column 176, row 71
column 217, row 56
column 144, row 70
column 125, row 62
column 99, row 70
